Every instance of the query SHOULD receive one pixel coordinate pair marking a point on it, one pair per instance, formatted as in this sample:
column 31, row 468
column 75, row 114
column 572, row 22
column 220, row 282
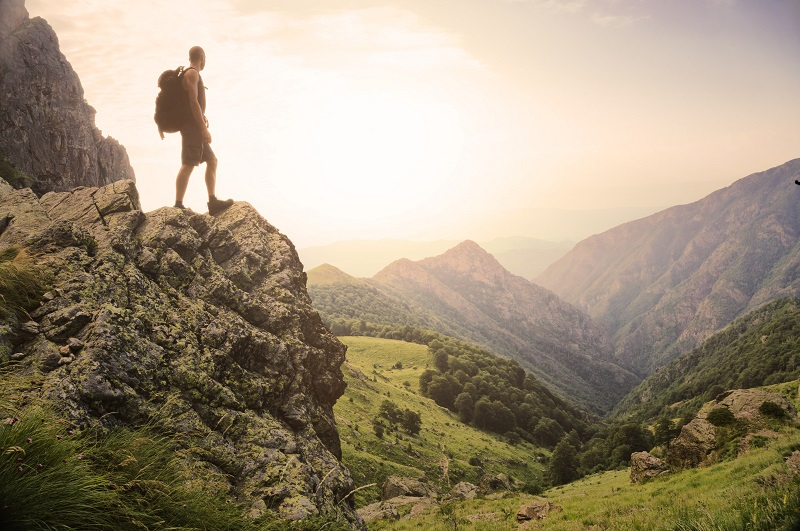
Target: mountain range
column 662, row 284
column 613, row 309
column 466, row 293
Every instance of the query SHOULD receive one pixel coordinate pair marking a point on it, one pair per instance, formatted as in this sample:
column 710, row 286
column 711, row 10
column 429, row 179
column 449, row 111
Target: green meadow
column 384, row 369
column 753, row 491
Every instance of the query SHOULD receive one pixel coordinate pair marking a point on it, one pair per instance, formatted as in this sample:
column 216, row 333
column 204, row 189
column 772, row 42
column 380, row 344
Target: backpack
column 172, row 102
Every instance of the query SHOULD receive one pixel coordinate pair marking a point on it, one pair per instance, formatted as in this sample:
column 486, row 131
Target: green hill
column 381, row 369
column 755, row 491
column 760, row 348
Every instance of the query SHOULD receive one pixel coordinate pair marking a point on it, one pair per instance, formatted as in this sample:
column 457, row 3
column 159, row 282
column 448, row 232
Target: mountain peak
column 468, row 258
column 327, row 274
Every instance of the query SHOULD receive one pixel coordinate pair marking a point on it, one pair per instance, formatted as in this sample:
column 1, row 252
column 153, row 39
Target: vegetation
column 55, row 475
column 13, row 176
column 443, row 452
column 752, row 492
column 21, row 283
column 496, row 394
column 761, row 348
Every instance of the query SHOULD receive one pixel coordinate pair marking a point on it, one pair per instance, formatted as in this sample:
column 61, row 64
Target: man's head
column 197, row 56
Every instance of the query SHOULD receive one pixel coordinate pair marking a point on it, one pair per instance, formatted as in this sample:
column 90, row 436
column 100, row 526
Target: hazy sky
column 427, row 119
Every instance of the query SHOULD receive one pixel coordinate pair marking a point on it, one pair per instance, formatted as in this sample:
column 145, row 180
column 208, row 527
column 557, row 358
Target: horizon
column 401, row 119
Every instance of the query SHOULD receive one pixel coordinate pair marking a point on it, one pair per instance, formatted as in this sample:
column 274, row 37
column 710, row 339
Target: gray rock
column 47, row 129
column 645, row 466
column 217, row 340
column 464, row 491
column 395, row 486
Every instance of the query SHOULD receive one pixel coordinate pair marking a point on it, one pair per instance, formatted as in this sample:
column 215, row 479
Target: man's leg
column 182, row 182
column 211, row 176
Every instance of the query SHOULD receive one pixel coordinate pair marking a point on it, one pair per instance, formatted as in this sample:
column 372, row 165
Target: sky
column 449, row 119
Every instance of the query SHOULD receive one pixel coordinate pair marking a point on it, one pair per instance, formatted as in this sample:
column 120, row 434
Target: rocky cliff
column 198, row 325
column 664, row 283
column 47, row 129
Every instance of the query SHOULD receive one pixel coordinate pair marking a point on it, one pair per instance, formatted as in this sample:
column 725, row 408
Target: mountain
column 48, row 137
column 760, row 348
column 664, row 283
column 526, row 257
column 466, row 293
column 199, row 326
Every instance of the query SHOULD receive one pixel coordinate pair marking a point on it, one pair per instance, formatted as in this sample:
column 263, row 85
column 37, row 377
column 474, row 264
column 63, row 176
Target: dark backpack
column 172, row 102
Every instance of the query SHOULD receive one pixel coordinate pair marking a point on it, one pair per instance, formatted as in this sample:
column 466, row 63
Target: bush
column 21, row 282
column 720, row 416
column 771, row 409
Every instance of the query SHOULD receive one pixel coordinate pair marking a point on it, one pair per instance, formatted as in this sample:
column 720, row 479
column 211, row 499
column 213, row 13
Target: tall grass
column 21, row 282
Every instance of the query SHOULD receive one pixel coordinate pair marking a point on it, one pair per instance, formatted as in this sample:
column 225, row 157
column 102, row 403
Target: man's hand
column 206, row 136
column 161, row 134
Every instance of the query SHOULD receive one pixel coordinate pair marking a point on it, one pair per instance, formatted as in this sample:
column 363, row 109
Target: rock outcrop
column 697, row 442
column 199, row 325
column 47, row 129
column 645, row 466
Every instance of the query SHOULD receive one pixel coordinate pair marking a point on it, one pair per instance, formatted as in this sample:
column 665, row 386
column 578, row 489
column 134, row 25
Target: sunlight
column 381, row 153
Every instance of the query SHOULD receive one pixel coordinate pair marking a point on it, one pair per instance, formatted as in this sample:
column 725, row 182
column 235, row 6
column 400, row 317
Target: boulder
column 645, row 466
column 693, row 446
column 537, row 510
column 390, row 509
column 395, row 486
column 463, row 491
column 490, row 483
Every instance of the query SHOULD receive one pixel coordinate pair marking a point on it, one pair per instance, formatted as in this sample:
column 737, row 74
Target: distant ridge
column 664, row 283
column 466, row 293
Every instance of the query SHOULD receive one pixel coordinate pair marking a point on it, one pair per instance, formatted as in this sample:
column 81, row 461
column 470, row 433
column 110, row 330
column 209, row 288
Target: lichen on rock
column 199, row 325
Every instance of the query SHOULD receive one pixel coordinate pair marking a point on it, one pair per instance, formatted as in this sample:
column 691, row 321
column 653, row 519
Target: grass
column 752, row 492
column 444, row 443
column 21, row 282
column 56, row 476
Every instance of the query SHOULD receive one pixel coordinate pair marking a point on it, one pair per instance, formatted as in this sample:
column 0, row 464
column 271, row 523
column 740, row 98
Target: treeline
column 761, row 348
column 497, row 395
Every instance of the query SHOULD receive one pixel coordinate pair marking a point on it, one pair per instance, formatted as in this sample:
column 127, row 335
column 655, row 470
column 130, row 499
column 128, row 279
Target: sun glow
column 381, row 154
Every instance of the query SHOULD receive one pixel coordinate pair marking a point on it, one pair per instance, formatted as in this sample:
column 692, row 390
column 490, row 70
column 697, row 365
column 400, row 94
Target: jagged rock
column 47, row 129
column 693, row 446
column 390, row 509
column 697, row 441
column 200, row 325
column 395, row 486
column 464, row 491
column 538, row 510
column 645, row 466
column 491, row 483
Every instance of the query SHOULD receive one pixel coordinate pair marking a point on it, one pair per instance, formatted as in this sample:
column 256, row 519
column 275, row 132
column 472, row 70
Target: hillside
column 664, row 283
column 484, row 304
column 761, row 348
column 372, row 375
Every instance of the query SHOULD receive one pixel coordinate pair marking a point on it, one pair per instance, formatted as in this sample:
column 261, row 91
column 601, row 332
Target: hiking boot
column 215, row 206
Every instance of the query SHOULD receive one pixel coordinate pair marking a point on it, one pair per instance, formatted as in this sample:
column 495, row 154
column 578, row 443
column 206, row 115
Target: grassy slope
column 443, row 440
column 750, row 492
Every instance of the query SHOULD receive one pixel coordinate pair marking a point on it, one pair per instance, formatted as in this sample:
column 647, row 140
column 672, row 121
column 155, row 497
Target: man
column 195, row 137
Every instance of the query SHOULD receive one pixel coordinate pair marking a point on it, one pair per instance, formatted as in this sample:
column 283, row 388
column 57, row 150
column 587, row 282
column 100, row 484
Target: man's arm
column 190, row 80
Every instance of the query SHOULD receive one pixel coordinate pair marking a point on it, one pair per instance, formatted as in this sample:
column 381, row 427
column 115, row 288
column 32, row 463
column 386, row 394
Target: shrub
column 720, row 416
column 21, row 282
column 771, row 409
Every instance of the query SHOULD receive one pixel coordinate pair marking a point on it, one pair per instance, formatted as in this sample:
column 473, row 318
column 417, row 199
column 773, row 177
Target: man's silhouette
column 195, row 137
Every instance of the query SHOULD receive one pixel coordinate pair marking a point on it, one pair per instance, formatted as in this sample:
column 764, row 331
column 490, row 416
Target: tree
column 441, row 392
column 390, row 411
column 440, row 360
column 563, row 466
column 411, row 421
column 548, row 432
column 465, row 407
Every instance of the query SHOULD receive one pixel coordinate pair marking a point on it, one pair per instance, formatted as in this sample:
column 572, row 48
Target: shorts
column 193, row 150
